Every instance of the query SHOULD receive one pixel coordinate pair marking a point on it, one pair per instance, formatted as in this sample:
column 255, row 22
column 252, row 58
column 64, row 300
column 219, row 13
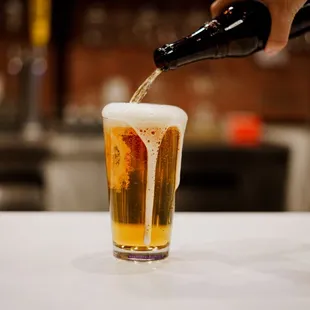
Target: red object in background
column 243, row 129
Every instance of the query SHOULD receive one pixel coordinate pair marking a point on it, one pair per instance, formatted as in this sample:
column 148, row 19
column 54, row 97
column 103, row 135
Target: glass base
column 130, row 254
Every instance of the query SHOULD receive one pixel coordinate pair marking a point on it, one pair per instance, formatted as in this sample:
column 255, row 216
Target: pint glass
column 143, row 147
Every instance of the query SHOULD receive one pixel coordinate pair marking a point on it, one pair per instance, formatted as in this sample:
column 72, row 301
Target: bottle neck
column 199, row 45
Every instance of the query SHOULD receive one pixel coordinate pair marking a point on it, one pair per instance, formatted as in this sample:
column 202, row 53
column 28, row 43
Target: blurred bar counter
column 66, row 172
column 37, row 175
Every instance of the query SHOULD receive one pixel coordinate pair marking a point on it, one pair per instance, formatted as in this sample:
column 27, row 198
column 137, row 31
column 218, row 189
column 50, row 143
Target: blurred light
column 14, row 12
column 116, row 89
column 39, row 66
column 15, row 65
column 243, row 128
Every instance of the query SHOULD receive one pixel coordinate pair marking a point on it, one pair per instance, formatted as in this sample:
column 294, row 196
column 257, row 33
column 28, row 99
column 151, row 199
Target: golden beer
column 142, row 162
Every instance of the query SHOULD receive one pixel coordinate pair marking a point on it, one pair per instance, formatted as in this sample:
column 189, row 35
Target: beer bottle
column 241, row 30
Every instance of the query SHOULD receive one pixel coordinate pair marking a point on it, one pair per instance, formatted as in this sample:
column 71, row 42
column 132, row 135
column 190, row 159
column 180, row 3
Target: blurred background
column 247, row 145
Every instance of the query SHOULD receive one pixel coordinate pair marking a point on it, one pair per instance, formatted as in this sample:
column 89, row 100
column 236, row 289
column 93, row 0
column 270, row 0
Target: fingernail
column 271, row 52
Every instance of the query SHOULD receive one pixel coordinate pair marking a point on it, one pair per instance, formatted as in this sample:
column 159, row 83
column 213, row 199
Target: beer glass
column 143, row 147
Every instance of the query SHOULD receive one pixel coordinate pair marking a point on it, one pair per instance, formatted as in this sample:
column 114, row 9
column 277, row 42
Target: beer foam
column 145, row 114
column 150, row 121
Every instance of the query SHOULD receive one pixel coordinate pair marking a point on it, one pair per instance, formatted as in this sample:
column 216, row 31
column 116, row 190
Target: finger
column 280, row 30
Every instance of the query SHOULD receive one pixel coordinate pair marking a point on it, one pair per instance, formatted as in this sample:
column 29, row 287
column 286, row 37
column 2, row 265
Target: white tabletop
column 220, row 261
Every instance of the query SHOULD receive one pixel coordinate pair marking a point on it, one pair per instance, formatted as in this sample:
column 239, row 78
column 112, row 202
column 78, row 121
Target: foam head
column 146, row 115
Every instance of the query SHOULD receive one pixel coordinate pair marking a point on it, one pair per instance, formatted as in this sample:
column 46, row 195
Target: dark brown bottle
column 241, row 30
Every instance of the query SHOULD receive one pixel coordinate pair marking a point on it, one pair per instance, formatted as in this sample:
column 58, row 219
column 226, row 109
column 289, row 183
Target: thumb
column 280, row 30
